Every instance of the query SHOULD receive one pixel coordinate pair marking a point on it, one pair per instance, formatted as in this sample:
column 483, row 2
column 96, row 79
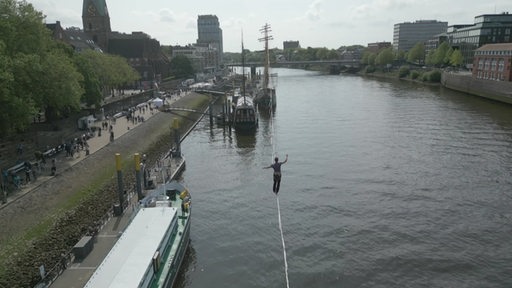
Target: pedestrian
column 54, row 167
column 63, row 261
column 28, row 171
column 19, row 149
column 277, row 173
column 16, row 180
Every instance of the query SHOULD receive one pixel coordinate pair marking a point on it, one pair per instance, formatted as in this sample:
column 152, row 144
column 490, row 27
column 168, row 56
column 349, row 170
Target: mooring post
column 210, row 108
column 229, row 112
column 177, row 138
column 120, row 184
column 138, row 177
column 224, row 103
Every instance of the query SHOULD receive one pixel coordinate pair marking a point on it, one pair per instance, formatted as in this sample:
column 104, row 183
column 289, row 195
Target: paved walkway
column 78, row 271
column 120, row 127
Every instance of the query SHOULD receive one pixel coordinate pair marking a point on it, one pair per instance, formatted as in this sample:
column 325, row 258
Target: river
column 388, row 184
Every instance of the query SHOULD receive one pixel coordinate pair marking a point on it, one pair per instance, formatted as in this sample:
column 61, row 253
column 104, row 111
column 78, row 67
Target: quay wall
column 495, row 90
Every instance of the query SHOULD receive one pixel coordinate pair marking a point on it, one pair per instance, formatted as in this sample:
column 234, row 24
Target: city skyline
column 314, row 23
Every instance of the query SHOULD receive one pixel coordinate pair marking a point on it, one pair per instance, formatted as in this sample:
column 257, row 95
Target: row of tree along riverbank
column 459, row 81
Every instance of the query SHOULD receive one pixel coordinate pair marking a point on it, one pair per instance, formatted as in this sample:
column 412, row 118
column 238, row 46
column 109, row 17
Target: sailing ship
column 266, row 95
column 244, row 117
column 151, row 249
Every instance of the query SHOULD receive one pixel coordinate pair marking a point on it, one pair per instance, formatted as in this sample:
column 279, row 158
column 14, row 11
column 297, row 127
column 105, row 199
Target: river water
column 388, row 184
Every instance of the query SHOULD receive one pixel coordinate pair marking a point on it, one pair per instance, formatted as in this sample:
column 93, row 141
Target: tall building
column 210, row 33
column 407, row 34
column 487, row 29
column 96, row 22
column 203, row 58
column 291, row 45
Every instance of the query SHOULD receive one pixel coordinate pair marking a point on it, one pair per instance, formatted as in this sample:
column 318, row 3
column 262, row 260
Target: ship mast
column 243, row 69
column 266, row 37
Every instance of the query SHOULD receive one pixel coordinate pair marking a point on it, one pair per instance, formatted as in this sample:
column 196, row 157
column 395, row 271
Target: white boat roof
column 244, row 102
column 127, row 262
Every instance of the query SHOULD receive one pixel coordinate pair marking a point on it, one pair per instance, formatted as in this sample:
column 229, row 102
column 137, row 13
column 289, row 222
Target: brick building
column 493, row 62
column 376, row 47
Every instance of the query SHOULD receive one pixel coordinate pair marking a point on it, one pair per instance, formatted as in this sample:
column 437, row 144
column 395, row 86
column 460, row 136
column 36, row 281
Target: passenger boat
column 265, row 97
column 150, row 251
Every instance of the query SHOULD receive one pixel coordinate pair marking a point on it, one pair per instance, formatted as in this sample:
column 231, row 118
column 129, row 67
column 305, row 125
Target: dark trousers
column 277, row 182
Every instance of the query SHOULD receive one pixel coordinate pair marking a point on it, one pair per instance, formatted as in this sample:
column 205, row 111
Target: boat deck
column 78, row 273
column 128, row 260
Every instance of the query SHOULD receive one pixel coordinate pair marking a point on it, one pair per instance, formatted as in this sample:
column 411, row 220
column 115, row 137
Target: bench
column 16, row 168
column 49, row 153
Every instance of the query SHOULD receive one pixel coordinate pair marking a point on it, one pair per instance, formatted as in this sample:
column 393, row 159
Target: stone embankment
column 464, row 82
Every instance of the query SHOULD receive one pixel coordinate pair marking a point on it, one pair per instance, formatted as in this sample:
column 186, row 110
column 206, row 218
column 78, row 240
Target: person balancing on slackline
column 277, row 173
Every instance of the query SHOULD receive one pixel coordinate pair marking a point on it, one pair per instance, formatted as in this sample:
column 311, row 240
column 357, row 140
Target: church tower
column 96, row 22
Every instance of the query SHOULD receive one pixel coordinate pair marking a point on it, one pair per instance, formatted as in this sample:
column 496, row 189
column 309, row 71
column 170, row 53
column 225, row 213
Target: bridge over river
column 283, row 64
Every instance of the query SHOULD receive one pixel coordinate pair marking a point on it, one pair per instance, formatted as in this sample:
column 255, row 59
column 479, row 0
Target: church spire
column 95, row 8
column 96, row 22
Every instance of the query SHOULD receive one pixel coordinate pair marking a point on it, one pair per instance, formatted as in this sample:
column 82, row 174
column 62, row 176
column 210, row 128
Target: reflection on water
column 189, row 263
column 245, row 140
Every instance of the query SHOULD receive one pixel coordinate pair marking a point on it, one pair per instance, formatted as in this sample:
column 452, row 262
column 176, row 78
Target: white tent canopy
column 157, row 102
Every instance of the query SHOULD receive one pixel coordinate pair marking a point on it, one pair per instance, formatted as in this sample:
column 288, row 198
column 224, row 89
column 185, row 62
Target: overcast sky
column 315, row 23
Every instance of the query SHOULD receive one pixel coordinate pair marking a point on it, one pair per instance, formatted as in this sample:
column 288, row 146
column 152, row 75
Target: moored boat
column 265, row 97
column 244, row 115
column 150, row 251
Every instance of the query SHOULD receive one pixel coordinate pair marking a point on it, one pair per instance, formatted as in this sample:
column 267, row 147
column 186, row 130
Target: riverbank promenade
column 120, row 127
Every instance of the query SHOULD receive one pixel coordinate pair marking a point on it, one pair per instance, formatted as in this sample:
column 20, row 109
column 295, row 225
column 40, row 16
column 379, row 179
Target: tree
column 456, row 59
column 417, row 54
column 322, row 54
column 22, row 29
column 91, row 82
column 440, row 54
column 111, row 71
column 43, row 77
column 372, row 59
column 181, row 67
column 447, row 56
column 59, row 87
column 385, row 57
column 401, row 56
column 311, row 54
column 12, row 114
column 364, row 58
column 429, row 60
column 333, row 55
